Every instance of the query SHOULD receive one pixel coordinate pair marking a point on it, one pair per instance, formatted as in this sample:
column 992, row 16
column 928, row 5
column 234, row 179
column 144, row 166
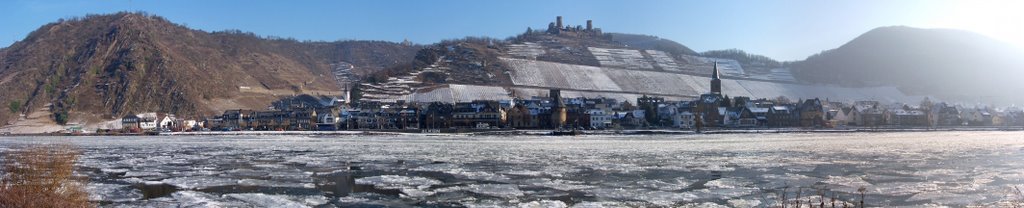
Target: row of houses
column 742, row 112
column 872, row 113
column 298, row 113
column 712, row 109
column 709, row 110
column 553, row 112
column 157, row 122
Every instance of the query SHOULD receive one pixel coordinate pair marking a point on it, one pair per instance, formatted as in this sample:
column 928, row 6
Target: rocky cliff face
column 106, row 66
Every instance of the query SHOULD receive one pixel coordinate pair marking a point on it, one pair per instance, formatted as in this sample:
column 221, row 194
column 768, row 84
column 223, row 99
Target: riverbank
column 533, row 132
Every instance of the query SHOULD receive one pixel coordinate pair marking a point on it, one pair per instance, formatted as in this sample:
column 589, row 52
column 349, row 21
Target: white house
column 838, row 117
column 599, row 118
column 190, row 123
column 147, row 123
column 164, row 121
column 683, row 120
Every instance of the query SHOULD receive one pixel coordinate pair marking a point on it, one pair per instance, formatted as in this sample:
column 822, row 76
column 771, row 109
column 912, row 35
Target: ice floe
column 112, row 192
column 199, row 182
column 543, row 204
column 397, row 182
column 495, row 190
column 264, row 200
column 661, row 198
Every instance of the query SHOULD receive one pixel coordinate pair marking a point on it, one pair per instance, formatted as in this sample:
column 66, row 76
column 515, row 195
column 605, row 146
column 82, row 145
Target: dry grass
column 1014, row 199
column 41, row 177
column 817, row 197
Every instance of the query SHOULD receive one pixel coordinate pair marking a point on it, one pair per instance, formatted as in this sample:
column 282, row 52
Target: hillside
column 648, row 42
column 750, row 62
column 105, row 66
column 951, row 64
column 475, row 60
column 583, row 61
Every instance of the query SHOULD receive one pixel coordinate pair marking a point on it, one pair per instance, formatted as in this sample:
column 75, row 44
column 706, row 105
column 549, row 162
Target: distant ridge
column 952, row 64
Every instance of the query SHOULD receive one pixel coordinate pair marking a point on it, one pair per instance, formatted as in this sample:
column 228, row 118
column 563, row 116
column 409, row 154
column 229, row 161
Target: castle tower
column 558, row 22
column 590, row 25
column 716, row 81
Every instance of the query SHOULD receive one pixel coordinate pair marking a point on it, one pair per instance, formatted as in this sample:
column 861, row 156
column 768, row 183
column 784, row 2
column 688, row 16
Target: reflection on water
column 742, row 170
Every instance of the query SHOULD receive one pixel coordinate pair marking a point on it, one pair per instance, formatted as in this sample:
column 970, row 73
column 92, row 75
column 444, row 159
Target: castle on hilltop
column 558, row 28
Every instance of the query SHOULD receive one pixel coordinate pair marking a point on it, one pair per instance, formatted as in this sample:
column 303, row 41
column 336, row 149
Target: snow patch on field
column 620, row 58
column 528, row 50
column 664, row 60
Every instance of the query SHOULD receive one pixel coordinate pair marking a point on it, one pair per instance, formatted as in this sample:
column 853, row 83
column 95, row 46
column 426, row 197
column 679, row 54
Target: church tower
column 716, row 81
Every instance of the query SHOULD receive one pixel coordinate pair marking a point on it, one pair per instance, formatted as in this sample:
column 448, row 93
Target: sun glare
column 997, row 19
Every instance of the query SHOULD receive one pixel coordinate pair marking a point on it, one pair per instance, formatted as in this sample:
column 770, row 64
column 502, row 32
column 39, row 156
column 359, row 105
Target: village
column 712, row 110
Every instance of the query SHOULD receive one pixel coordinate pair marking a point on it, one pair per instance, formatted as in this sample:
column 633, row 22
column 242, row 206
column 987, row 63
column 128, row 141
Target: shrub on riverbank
column 811, row 197
column 41, row 176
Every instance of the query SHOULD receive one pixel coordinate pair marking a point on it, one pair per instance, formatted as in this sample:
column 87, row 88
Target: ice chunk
column 558, row 184
column 543, row 204
column 480, row 176
column 524, row 173
column 800, row 168
column 397, row 182
column 744, row 203
column 143, row 174
column 704, row 205
column 716, row 168
column 200, row 199
column 616, row 167
column 157, row 202
column 848, row 184
column 598, row 204
column 114, row 170
column 416, row 193
column 724, row 193
column 903, row 188
column 498, row 190
column 670, row 185
column 947, row 198
column 246, row 173
column 309, row 200
column 458, row 171
column 199, row 182
column 266, row 183
column 112, row 192
column 661, row 198
column 789, row 179
column 264, row 200
column 728, row 183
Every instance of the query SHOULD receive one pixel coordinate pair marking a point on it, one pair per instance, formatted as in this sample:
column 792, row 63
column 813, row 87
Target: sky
column 782, row 29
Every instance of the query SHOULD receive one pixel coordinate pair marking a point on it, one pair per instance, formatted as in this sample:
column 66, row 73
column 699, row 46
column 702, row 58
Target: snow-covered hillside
column 613, row 81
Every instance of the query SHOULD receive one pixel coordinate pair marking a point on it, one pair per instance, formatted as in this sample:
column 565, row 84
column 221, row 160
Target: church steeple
column 714, row 74
column 716, row 81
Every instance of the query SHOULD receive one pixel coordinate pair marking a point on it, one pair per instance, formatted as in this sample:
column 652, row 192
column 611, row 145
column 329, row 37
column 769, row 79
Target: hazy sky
column 781, row 29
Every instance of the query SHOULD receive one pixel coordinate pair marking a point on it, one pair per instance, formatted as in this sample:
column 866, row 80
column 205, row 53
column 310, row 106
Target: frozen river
column 731, row 170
